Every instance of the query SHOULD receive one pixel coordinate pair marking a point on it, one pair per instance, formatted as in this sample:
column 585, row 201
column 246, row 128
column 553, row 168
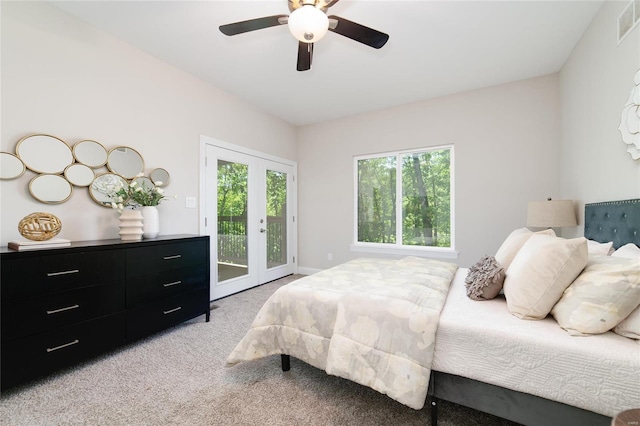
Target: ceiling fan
column 308, row 22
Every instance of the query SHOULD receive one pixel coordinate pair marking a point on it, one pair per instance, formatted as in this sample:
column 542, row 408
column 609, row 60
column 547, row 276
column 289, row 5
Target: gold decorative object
column 39, row 226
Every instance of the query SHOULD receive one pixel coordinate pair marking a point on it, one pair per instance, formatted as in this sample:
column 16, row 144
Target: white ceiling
column 435, row 48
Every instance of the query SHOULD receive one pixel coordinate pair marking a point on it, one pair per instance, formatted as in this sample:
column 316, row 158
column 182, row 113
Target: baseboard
column 308, row 271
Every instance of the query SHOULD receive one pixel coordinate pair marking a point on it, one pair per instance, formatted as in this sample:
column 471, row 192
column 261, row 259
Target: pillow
column 630, row 326
column 596, row 248
column 628, row 251
column 485, row 278
column 604, row 294
column 514, row 243
column 541, row 271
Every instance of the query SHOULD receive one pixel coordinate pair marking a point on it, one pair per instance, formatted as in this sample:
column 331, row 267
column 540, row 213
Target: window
column 404, row 200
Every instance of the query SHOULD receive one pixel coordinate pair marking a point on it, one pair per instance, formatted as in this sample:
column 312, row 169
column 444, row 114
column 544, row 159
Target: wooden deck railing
column 232, row 240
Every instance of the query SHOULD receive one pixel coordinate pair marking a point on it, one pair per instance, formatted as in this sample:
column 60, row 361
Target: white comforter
column 372, row 321
column 484, row 342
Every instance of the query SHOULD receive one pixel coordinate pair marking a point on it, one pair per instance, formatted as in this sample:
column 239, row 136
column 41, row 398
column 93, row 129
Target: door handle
column 263, row 230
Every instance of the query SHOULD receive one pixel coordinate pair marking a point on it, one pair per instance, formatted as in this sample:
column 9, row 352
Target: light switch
column 190, row 202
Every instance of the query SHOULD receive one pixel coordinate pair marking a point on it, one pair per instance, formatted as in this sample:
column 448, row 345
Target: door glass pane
column 276, row 218
column 377, row 200
column 232, row 220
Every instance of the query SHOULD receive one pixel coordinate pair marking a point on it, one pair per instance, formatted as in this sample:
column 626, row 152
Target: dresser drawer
column 26, row 317
column 161, row 314
column 53, row 273
column 43, row 353
column 159, row 258
column 147, row 288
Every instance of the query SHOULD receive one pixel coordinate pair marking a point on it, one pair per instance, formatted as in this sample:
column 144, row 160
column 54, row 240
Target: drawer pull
column 173, row 283
column 68, row 308
column 172, row 310
column 72, row 271
column 175, row 256
column 75, row 342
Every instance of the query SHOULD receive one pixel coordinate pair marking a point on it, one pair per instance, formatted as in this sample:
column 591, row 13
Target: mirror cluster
column 59, row 167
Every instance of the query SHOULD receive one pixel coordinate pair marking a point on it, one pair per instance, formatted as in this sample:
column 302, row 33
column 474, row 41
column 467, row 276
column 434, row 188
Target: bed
column 605, row 380
column 468, row 352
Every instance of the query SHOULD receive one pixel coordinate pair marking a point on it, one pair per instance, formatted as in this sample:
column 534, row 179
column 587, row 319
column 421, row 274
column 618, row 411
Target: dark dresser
column 60, row 306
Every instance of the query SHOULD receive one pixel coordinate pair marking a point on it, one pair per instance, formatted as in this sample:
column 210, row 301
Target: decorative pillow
column 604, row 294
column 596, row 248
column 630, row 326
column 514, row 242
column 628, row 251
column 541, row 271
column 485, row 278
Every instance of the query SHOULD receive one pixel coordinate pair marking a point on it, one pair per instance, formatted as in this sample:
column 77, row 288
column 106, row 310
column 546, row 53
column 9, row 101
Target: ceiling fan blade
column 357, row 32
column 305, row 54
column 252, row 24
column 330, row 3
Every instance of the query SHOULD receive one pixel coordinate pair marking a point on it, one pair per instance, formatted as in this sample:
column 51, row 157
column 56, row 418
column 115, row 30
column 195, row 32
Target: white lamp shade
column 551, row 214
column 308, row 24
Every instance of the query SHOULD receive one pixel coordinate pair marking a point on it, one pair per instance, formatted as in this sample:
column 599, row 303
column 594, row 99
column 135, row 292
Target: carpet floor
column 178, row 377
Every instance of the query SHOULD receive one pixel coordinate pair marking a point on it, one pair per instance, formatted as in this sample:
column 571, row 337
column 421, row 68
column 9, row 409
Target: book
column 38, row 245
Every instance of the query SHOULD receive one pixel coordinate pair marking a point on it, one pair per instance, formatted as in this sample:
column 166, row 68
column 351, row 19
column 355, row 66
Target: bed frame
column 617, row 221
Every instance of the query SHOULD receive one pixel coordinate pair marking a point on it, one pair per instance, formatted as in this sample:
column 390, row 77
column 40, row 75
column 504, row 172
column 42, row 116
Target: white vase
column 151, row 222
column 130, row 225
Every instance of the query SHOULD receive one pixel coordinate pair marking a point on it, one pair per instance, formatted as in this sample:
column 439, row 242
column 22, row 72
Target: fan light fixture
column 308, row 24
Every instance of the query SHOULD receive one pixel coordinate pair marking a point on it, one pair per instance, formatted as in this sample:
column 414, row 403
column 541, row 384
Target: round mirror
column 125, row 161
column 90, row 153
column 79, row 174
column 44, row 153
column 50, row 189
column 160, row 175
column 143, row 182
column 104, row 185
column 11, row 167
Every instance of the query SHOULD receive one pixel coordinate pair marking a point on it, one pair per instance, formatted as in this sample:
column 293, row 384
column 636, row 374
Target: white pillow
column 628, row 251
column 596, row 248
column 514, row 242
column 543, row 268
column 630, row 326
column 604, row 294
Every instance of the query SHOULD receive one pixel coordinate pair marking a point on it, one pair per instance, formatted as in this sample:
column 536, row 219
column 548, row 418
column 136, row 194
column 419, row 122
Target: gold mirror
column 90, row 153
column 44, row 153
column 160, row 175
column 106, row 184
column 50, row 189
column 125, row 161
column 11, row 167
column 79, row 174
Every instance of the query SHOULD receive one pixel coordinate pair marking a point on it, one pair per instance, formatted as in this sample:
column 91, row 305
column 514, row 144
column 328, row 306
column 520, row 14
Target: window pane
column 232, row 220
column 377, row 200
column 426, row 195
column 276, row 218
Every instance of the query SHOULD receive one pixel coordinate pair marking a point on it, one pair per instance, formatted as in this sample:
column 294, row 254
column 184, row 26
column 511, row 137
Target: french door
column 249, row 214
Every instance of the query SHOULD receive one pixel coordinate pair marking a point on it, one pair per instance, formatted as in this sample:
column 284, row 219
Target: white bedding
column 372, row 321
column 481, row 340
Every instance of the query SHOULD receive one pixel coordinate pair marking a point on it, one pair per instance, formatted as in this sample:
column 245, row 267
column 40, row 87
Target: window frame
column 396, row 248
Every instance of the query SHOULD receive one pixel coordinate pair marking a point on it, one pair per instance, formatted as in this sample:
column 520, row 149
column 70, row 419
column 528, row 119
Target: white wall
column 507, row 146
column 65, row 78
column 550, row 136
column 595, row 85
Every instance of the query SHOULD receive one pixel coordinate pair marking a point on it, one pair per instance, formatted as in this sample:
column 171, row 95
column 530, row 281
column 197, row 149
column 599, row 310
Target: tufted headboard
column 617, row 221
